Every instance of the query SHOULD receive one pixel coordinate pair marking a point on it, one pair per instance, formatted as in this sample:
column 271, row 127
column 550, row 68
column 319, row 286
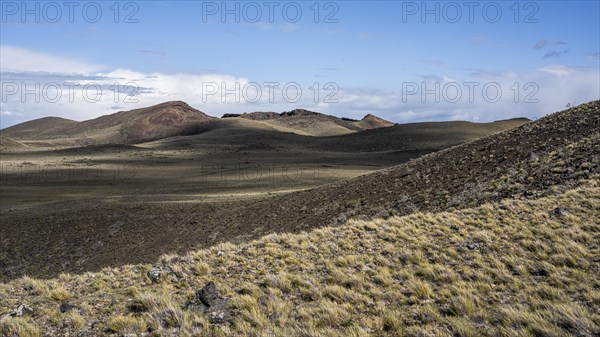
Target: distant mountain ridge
column 170, row 119
column 314, row 123
column 124, row 127
column 177, row 118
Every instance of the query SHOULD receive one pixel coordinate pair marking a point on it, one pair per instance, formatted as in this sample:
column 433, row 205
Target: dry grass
column 505, row 269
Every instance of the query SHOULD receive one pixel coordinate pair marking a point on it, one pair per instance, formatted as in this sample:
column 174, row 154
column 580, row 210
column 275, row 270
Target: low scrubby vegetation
column 517, row 267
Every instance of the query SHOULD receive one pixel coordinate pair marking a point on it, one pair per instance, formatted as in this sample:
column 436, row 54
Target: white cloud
column 532, row 93
column 10, row 113
column 548, row 88
column 558, row 70
column 23, row 60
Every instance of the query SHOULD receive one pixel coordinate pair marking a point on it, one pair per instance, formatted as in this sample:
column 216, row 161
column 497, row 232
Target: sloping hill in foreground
column 513, row 268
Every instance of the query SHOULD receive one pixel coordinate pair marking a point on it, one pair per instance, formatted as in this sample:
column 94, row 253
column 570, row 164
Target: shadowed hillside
column 559, row 149
column 421, row 137
column 416, row 136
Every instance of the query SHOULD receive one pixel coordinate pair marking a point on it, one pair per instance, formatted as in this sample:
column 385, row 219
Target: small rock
column 209, row 301
column 66, row 307
column 264, row 300
column 540, row 272
column 558, row 212
column 454, row 227
column 22, row 310
column 208, row 295
column 156, row 273
column 382, row 214
column 475, row 245
column 86, row 333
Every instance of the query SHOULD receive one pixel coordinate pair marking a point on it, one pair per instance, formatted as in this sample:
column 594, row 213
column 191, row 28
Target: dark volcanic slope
column 554, row 152
column 416, row 136
column 126, row 127
column 560, row 149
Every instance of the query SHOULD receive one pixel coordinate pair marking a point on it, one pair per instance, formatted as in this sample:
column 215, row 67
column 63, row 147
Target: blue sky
column 539, row 54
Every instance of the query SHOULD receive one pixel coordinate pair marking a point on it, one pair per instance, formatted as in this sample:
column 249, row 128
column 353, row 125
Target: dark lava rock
column 136, row 306
column 558, row 212
column 209, row 294
column 209, row 301
column 160, row 272
column 540, row 272
column 21, row 310
column 66, row 307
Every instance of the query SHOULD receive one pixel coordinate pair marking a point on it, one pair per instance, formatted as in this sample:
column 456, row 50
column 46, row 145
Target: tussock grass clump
column 59, row 293
column 514, row 268
column 126, row 324
column 19, row 326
